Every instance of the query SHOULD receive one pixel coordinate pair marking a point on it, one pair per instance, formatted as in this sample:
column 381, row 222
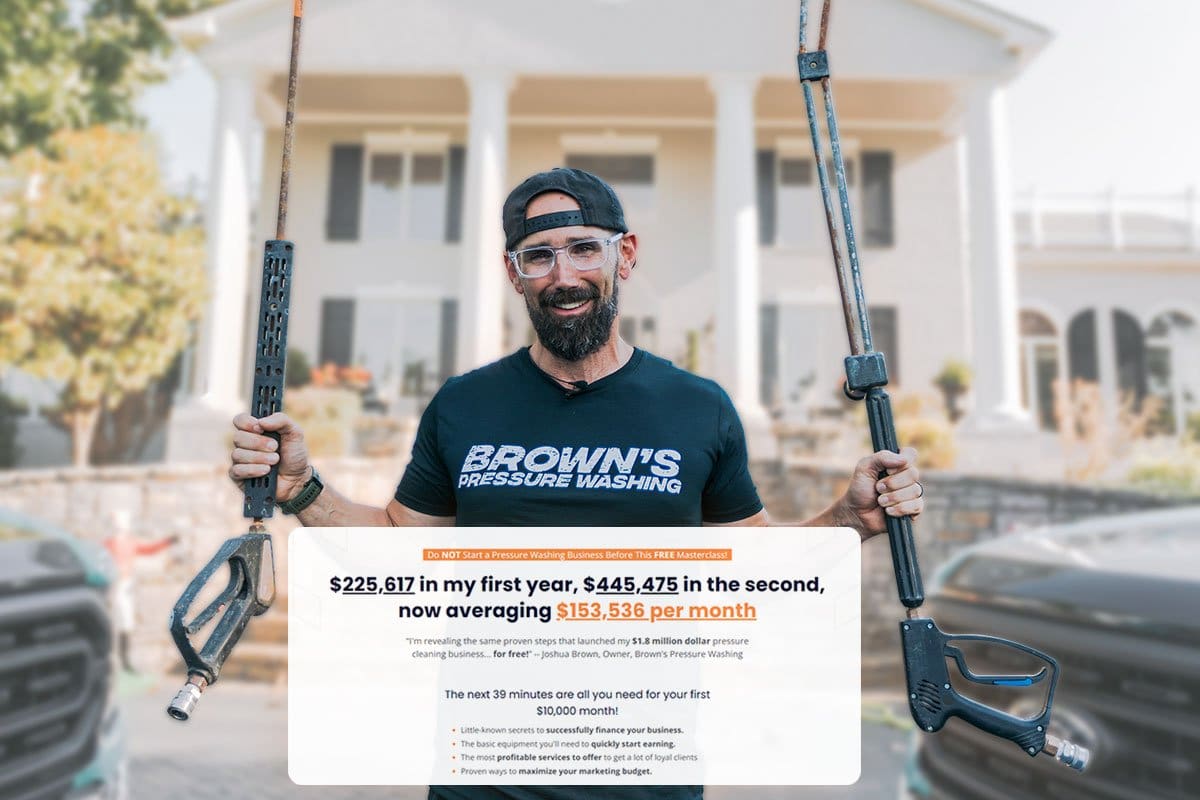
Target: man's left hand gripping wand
column 251, row 587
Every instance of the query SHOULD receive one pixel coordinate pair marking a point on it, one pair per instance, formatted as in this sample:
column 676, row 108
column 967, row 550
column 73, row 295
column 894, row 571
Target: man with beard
column 580, row 428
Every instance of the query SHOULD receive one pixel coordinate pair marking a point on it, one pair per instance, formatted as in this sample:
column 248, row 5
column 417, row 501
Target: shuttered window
column 408, row 195
column 383, row 200
column 427, row 198
column 790, row 211
column 798, row 200
column 345, row 193
column 337, row 331
column 877, row 200
column 885, row 337
column 631, row 176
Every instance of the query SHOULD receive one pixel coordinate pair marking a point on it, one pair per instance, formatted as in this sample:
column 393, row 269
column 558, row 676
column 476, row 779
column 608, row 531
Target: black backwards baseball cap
column 598, row 204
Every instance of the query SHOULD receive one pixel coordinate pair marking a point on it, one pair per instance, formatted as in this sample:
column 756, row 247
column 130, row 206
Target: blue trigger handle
column 994, row 680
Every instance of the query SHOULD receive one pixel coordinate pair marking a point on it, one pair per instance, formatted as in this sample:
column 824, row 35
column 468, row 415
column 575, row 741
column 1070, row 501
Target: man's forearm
column 838, row 515
column 332, row 509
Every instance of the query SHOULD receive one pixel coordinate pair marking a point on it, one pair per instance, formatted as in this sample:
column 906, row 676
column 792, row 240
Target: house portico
column 415, row 119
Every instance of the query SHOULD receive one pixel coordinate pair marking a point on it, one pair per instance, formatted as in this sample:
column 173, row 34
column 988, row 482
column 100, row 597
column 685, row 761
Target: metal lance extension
column 932, row 698
column 249, row 558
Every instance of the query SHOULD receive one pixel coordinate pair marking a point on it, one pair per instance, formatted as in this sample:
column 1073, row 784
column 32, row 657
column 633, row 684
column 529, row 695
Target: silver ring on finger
column 922, row 488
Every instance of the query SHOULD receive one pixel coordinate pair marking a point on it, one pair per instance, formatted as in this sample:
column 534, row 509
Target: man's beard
column 575, row 337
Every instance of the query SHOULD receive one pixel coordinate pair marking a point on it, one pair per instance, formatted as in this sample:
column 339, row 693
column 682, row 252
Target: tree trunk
column 83, row 429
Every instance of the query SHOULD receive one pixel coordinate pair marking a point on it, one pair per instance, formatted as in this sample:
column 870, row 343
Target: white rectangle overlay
column 574, row 656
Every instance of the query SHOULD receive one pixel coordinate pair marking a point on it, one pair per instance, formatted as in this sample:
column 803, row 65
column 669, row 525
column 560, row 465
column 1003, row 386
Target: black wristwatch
column 305, row 497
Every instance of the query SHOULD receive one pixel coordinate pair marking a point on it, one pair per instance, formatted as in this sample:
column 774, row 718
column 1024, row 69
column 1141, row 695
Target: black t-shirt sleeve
column 730, row 495
column 426, row 486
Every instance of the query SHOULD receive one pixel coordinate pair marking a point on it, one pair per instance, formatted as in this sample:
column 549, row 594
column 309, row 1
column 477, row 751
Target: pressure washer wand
column 932, row 698
column 251, row 587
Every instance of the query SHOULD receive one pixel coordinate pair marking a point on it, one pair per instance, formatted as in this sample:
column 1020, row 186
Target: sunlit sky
column 1111, row 101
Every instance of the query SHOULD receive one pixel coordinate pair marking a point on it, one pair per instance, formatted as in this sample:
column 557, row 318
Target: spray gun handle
column 933, row 700
column 249, row 593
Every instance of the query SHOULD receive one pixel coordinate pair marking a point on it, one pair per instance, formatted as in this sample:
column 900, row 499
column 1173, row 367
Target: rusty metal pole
column 289, row 122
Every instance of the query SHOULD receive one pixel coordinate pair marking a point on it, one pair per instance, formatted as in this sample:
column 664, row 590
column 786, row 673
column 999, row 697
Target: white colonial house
column 416, row 117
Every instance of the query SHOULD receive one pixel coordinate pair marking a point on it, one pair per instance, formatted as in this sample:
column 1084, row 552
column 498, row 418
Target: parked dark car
column 1117, row 601
column 60, row 731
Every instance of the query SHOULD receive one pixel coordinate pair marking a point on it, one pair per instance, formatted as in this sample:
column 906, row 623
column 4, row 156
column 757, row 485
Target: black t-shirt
column 649, row 444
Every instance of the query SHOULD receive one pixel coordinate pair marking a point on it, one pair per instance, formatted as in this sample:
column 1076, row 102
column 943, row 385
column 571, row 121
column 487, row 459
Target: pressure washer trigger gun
column 933, row 699
column 250, row 592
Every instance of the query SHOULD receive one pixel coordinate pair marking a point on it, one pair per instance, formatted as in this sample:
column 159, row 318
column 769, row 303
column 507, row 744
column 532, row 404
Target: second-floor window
column 791, row 213
column 801, row 214
column 631, row 176
column 405, row 196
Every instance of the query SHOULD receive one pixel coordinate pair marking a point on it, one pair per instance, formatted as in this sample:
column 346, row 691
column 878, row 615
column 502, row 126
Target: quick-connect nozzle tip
column 1073, row 755
column 185, row 701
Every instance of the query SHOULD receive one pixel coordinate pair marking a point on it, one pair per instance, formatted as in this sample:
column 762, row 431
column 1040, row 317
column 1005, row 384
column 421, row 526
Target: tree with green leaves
column 72, row 64
column 101, row 272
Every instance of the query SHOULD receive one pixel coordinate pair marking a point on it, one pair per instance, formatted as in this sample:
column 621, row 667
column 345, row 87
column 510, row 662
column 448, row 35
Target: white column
column 735, row 235
column 992, row 263
column 227, row 222
column 1175, row 348
column 1106, row 364
column 199, row 424
column 482, row 285
column 1116, row 230
column 1036, row 234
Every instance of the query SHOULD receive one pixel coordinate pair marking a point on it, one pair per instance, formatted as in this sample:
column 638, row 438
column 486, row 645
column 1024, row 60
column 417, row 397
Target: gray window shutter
column 768, row 326
column 345, row 193
column 885, row 338
column 765, row 173
column 456, row 161
column 447, row 343
column 878, row 229
column 337, row 331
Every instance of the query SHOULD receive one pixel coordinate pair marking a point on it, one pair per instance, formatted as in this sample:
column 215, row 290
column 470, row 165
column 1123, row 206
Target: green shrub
column 954, row 377
column 1177, row 475
column 299, row 370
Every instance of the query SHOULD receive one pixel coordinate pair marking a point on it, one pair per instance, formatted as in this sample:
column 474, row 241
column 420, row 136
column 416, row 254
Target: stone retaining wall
column 201, row 505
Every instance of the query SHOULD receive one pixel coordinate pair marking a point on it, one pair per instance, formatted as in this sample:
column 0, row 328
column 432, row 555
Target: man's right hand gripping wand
column 932, row 697
column 249, row 557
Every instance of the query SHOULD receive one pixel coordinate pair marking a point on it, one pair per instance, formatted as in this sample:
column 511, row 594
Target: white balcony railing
column 1109, row 220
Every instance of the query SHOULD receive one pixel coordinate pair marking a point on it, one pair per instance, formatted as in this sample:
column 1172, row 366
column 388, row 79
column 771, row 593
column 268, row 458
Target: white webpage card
column 582, row 656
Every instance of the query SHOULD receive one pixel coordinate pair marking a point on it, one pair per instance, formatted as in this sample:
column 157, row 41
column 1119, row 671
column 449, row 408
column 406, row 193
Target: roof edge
column 1023, row 37
column 196, row 30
